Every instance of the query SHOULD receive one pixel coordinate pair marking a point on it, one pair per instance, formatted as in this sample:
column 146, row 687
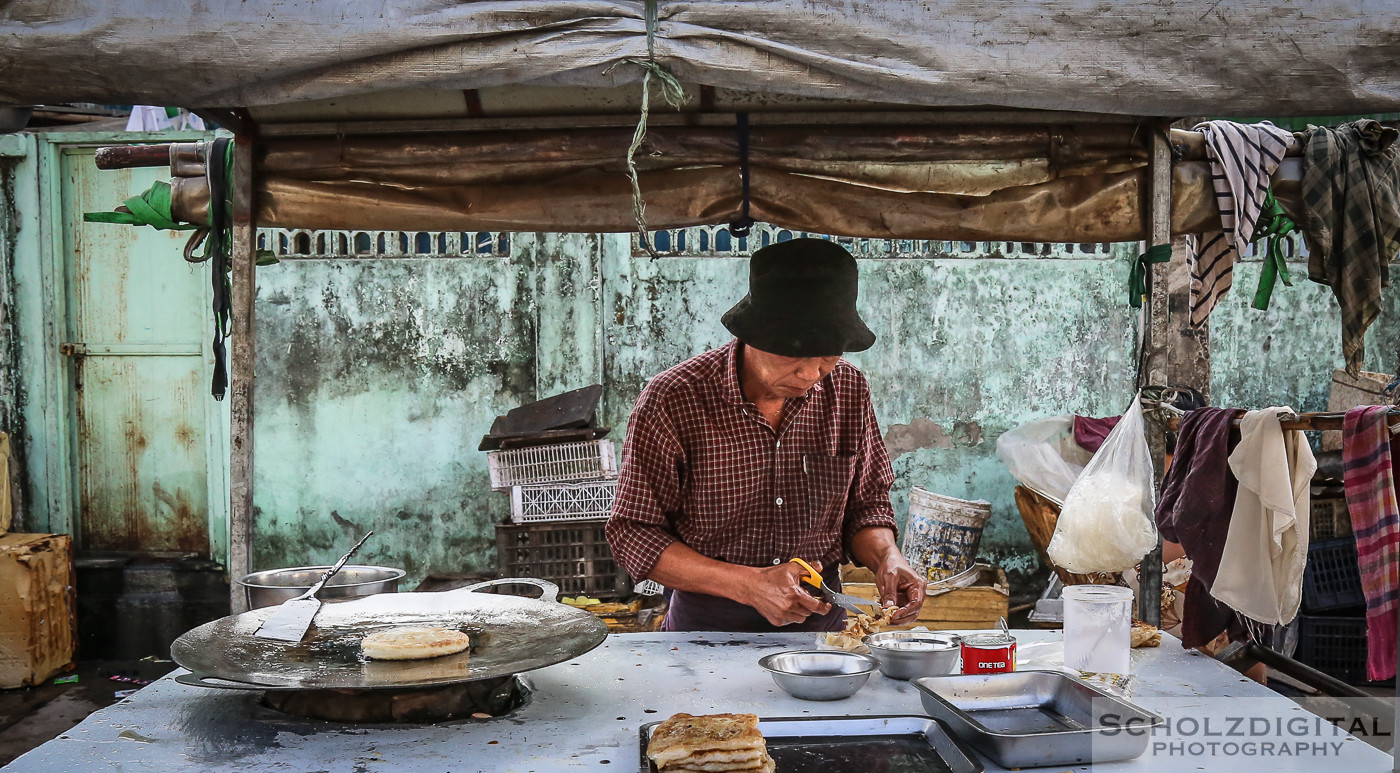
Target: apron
column 703, row 612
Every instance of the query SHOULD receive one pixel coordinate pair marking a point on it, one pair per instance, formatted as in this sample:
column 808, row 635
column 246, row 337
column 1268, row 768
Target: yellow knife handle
column 812, row 578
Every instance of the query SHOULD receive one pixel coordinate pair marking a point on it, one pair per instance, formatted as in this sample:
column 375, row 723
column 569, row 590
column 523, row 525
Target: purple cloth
column 703, row 612
column 1198, row 499
column 1089, row 433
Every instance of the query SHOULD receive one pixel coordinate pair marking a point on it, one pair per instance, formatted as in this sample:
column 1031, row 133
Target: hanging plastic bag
column 1042, row 455
column 1106, row 523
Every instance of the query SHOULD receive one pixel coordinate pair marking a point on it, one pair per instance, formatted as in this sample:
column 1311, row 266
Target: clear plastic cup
column 1098, row 628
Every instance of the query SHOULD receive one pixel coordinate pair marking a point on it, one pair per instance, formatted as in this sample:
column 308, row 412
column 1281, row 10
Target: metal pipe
column 1160, row 232
column 132, row 156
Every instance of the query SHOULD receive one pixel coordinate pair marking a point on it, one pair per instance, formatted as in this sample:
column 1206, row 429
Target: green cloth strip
column 151, row 208
column 1274, row 227
column 1137, row 275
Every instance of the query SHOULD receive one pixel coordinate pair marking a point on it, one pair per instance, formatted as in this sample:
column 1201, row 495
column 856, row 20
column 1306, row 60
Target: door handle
column 75, row 351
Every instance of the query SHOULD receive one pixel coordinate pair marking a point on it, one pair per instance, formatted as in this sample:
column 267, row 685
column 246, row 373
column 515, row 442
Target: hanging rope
column 674, row 94
column 740, row 228
column 220, row 175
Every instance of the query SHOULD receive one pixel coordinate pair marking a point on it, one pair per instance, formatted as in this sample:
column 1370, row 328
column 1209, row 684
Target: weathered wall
column 376, row 378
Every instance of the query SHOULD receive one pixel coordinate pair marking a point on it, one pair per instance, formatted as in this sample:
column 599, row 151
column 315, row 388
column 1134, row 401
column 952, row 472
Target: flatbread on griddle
column 764, row 765
column 684, row 735
column 414, row 643
column 748, row 756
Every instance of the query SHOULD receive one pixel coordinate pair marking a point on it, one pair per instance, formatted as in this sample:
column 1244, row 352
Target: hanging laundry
column 1242, row 160
column 1266, row 549
column 1369, row 475
column 150, row 118
column 1089, row 433
column 1351, row 220
column 1198, row 497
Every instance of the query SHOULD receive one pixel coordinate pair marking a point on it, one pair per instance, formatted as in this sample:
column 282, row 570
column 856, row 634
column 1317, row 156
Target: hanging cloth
column 1266, row 548
column 1242, row 159
column 1369, row 475
column 1351, row 220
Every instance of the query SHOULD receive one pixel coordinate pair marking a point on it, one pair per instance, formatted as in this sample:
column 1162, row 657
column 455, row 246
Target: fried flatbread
column 1144, row 635
column 764, row 765
column 413, row 643
column 684, row 735
column 858, row 627
column 742, row 756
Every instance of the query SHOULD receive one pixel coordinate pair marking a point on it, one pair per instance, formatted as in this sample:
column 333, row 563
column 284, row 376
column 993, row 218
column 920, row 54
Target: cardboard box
column 976, row 607
column 38, row 613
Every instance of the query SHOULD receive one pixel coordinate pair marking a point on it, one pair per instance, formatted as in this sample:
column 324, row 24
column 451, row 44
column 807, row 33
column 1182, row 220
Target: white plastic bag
column 1043, row 456
column 1107, row 522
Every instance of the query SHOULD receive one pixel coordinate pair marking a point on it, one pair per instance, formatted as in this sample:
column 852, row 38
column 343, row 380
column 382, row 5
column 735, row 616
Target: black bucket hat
column 801, row 301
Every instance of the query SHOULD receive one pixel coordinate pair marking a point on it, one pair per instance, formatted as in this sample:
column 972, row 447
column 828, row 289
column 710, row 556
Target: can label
column 991, row 653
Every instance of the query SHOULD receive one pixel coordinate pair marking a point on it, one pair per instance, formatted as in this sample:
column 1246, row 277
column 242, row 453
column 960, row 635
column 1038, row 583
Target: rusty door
column 135, row 345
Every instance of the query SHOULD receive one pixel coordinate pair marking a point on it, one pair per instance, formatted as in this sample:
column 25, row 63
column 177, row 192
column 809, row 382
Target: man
column 762, row 451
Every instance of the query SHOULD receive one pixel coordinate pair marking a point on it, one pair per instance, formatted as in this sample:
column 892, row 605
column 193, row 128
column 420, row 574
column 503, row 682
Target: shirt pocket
column 828, row 479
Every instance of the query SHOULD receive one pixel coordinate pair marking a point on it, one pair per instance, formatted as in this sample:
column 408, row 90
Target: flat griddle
column 510, row 635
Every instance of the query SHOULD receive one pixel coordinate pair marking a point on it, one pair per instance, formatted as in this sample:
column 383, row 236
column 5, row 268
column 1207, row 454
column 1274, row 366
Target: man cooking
column 762, row 451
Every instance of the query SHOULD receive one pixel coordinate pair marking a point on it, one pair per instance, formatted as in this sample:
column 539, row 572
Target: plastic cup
column 1098, row 628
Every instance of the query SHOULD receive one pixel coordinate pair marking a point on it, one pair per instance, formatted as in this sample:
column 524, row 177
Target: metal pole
column 1159, row 232
column 244, row 280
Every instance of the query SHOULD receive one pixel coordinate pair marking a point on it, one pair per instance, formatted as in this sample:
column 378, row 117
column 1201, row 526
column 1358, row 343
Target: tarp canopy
column 1135, row 57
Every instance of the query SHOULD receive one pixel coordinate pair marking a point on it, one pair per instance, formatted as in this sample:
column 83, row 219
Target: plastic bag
column 1106, row 523
column 1043, row 456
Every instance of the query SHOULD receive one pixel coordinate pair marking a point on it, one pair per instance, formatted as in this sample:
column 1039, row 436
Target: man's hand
column 900, row 586
column 897, row 582
column 777, row 593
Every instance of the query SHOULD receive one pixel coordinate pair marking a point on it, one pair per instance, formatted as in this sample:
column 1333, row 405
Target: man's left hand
column 900, row 586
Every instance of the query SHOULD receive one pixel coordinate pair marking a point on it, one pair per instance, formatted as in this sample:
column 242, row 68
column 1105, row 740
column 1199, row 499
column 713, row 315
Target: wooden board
column 979, row 606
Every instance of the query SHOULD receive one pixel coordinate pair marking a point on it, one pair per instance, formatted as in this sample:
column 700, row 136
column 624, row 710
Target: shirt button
column 780, row 501
column 779, row 444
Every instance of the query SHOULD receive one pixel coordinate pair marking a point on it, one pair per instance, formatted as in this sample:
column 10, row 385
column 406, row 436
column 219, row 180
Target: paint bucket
column 943, row 533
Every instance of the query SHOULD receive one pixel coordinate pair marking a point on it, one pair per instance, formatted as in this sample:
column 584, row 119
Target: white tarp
column 1142, row 57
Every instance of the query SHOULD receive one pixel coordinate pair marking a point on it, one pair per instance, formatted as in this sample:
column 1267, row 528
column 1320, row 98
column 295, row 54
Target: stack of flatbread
column 714, row 743
column 852, row 638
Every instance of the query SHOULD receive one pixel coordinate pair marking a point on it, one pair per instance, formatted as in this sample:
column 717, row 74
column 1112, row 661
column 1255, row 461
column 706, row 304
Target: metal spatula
column 290, row 621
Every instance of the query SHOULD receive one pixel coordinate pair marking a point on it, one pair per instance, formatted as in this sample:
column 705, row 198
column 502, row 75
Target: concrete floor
column 35, row 715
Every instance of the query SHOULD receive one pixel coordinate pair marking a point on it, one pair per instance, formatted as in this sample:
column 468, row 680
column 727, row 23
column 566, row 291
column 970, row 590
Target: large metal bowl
column 912, row 654
column 819, row 675
column 274, row 586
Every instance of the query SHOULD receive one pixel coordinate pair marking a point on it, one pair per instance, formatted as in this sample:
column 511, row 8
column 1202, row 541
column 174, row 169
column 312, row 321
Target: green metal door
column 136, row 350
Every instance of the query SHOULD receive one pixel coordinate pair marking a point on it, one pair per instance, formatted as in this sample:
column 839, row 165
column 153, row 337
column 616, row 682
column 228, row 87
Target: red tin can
column 988, row 653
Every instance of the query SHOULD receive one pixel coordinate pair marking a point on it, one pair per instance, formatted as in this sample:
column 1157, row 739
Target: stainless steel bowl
column 274, row 586
column 911, row 654
column 819, row 675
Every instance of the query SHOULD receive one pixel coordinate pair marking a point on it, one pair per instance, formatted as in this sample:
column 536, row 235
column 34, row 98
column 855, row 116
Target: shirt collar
column 729, row 386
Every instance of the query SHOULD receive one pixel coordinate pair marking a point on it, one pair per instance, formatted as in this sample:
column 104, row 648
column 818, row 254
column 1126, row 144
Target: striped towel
column 1242, row 159
column 1375, row 517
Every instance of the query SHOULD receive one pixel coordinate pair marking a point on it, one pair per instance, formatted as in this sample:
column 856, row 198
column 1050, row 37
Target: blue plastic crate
column 1332, row 579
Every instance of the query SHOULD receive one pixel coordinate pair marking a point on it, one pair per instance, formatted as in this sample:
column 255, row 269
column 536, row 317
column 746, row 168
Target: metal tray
column 1031, row 719
column 908, row 744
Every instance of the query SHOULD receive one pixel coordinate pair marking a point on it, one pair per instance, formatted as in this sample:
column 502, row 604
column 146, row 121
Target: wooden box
column 978, row 606
column 38, row 613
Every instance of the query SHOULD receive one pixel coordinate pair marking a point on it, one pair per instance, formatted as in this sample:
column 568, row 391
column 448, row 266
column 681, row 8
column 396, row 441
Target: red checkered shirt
column 701, row 465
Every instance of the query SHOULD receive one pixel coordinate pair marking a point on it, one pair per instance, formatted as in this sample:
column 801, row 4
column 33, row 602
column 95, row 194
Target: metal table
column 585, row 715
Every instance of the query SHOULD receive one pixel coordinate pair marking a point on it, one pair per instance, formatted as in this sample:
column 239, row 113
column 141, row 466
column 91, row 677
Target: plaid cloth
column 1368, row 473
column 702, row 466
column 1351, row 220
column 1242, row 159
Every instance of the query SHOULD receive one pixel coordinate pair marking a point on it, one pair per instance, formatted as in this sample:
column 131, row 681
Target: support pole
column 244, row 280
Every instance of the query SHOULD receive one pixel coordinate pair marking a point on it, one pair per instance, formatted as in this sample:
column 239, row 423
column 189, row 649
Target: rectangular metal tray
column 1030, row 719
column 856, row 745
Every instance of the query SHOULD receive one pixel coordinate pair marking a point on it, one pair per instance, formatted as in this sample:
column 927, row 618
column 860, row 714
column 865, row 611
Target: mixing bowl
column 911, row 654
column 819, row 675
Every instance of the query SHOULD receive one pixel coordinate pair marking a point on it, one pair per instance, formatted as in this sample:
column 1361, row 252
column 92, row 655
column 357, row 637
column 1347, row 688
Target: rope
column 740, row 228
column 674, row 94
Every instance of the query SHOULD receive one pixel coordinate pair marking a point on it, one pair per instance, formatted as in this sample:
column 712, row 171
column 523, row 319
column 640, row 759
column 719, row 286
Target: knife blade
column 292, row 619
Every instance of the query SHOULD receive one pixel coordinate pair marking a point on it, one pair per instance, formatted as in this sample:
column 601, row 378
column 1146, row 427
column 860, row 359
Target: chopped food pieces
column 414, row 643
column 580, row 601
column 859, row 627
column 1144, row 635
column 712, row 743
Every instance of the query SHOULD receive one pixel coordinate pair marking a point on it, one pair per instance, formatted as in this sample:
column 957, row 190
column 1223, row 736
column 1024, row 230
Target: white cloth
column 1261, row 568
column 1242, row 159
column 150, row 118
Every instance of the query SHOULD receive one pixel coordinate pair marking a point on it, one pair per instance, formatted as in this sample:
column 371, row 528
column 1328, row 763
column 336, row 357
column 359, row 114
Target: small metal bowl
column 911, row 654
column 274, row 586
column 819, row 675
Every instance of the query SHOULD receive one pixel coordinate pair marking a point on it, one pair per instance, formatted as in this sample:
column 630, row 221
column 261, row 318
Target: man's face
column 786, row 376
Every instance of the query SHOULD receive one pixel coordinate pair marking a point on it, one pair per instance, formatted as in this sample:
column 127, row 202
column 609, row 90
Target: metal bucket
column 274, row 586
column 943, row 533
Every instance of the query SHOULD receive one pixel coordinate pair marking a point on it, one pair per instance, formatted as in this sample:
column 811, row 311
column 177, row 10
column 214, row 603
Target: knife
column 846, row 602
column 293, row 617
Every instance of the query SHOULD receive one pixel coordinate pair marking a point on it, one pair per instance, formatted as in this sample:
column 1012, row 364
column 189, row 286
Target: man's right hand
column 777, row 593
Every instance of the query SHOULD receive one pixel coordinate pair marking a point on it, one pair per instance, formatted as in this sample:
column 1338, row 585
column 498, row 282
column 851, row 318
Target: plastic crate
column 1332, row 579
column 1333, row 645
column 1329, row 519
column 554, row 463
column 562, row 501
column 573, row 555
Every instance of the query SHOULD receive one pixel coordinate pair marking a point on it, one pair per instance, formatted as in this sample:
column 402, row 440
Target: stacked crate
column 1332, row 625
column 560, row 495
